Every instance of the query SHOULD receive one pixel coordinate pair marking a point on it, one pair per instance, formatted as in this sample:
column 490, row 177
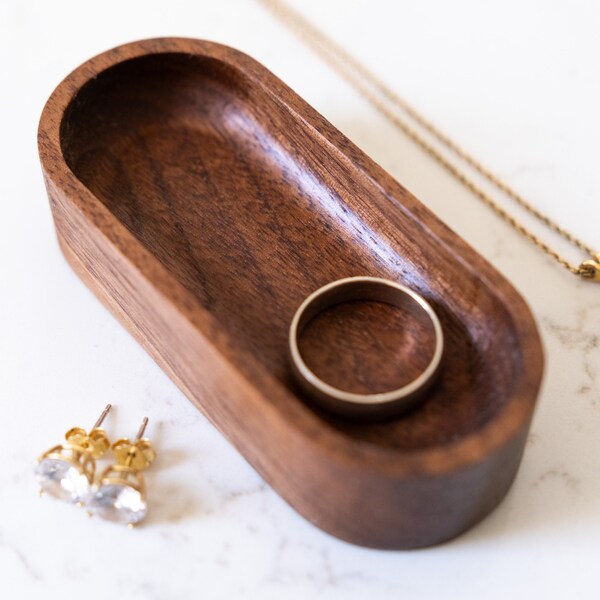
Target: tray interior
column 251, row 210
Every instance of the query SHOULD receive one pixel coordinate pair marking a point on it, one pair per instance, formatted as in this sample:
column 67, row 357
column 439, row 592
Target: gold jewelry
column 364, row 405
column 67, row 471
column 121, row 494
column 381, row 97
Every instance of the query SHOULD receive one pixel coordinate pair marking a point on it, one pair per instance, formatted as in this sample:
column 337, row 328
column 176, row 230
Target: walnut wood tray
column 201, row 200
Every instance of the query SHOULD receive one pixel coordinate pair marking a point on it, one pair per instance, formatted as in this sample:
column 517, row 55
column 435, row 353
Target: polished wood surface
column 203, row 200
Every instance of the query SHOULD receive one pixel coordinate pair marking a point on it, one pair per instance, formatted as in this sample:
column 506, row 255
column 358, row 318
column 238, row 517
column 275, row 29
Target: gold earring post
column 142, row 428
column 102, row 416
column 133, row 448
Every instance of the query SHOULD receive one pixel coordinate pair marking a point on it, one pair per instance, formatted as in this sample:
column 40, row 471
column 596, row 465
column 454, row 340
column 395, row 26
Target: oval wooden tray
column 201, row 199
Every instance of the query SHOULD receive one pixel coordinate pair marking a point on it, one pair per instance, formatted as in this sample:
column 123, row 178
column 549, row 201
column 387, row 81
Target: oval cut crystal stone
column 118, row 502
column 62, row 479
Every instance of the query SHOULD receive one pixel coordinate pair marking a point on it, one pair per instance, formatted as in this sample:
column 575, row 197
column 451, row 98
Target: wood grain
column 202, row 200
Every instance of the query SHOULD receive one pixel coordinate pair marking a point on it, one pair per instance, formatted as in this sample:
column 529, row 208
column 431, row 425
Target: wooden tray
column 201, row 199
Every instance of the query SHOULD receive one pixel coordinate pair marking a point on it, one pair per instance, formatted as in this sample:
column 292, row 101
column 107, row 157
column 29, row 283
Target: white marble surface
column 518, row 83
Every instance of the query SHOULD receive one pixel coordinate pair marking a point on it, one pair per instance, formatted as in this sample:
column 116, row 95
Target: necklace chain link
column 381, row 97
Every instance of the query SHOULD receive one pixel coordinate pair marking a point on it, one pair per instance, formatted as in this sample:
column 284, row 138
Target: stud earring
column 67, row 471
column 121, row 494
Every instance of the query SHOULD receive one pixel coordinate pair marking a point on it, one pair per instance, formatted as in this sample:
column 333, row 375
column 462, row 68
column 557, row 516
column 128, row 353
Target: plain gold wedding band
column 351, row 404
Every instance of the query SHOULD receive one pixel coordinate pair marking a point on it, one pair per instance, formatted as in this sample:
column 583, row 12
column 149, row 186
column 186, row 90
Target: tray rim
column 465, row 452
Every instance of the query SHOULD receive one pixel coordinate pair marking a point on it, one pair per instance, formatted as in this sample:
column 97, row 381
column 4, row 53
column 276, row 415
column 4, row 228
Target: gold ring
column 348, row 403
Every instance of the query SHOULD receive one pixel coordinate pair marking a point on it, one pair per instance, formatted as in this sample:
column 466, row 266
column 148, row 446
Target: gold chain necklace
column 377, row 93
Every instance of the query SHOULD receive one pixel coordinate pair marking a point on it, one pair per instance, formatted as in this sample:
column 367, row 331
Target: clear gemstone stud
column 121, row 495
column 67, row 471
